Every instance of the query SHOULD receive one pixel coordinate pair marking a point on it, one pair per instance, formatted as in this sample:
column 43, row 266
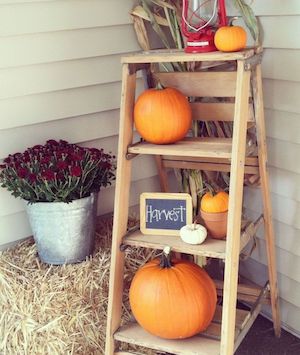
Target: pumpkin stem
column 194, row 224
column 165, row 261
column 230, row 23
column 159, row 86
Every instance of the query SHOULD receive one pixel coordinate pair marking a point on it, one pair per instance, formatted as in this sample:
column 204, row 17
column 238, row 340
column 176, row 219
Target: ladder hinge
column 253, row 61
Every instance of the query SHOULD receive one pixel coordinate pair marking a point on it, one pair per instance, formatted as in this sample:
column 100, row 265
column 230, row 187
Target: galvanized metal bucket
column 63, row 232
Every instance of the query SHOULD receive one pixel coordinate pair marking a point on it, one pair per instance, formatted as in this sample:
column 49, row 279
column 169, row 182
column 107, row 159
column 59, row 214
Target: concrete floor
column 261, row 340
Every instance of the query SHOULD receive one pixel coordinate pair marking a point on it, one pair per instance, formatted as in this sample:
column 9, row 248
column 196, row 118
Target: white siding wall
column 280, row 21
column 60, row 77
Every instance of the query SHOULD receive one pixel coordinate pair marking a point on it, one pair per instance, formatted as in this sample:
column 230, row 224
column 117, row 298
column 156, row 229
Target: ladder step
column 246, row 292
column 177, row 55
column 213, row 248
column 203, row 147
column 209, row 339
column 205, row 343
column 134, row 334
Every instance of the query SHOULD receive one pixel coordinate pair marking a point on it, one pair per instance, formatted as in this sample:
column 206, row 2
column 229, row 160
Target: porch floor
column 260, row 340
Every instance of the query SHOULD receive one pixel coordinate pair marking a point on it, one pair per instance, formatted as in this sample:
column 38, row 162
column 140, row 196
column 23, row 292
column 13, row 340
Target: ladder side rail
column 235, row 209
column 121, row 205
column 266, row 197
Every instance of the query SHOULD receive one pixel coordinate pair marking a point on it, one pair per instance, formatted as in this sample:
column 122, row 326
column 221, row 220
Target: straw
column 48, row 309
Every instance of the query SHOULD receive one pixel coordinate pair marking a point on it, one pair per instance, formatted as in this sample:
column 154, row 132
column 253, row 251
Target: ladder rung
column 214, row 248
column 175, row 55
column 184, row 164
column 203, row 147
column 216, row 111
column 204, row 343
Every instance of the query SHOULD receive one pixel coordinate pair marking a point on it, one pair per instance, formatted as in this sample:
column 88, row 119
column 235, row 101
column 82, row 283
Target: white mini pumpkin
column 193, row 233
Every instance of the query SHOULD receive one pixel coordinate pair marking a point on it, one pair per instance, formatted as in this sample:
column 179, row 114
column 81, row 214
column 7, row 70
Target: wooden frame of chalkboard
column 165, row 213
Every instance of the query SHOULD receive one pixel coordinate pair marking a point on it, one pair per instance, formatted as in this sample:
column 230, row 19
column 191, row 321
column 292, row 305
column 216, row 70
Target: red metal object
column 198, row 30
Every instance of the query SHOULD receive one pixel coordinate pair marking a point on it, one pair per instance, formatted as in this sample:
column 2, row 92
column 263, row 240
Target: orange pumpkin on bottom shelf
column 172, row 299
column 162, row 115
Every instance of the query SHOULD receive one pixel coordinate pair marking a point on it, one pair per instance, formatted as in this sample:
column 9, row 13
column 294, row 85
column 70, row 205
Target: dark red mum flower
column 52, row 142
column 46, row 159
column 61, row 165
column 48, row 175
column 60, row 176
column 32, row 178
column 7, row 160
column 2, row 166
column 22, row 172
column 76, row 157
column 75, row 171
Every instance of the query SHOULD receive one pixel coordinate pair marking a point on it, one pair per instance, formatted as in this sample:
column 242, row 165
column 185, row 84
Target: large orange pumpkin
column 162, row 115
column 230, row 38
column 215, row 203
column 172, row 300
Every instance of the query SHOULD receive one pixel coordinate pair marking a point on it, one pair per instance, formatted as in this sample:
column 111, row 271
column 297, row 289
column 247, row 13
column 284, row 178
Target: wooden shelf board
column 174, row 55
column 204, row 343
column 204, row 147
column 213, row 248
column 207, row 342
column 134, row 334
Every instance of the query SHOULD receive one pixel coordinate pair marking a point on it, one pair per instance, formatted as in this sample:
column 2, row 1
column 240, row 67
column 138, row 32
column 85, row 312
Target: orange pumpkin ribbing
column 230, row 38
column 162, row 116
column 173, row 303
column 216, row 203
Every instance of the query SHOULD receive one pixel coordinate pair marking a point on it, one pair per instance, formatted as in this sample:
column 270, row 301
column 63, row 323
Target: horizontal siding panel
column 290, row 316
column 26, row 110
column 65, row 45
column 285, row 210
column 276, row 32
column 22, row 1
column 287, row 264
column 285, row 183
column 14, row 227
column 74, row 130
column 40, row 78
column 274, row 64
column 281, row 32
column 283, row 125
column 286, row 237
column 283, row 154
column 282, row 95
column 26, row 18
column 56, row 105
column 106, row 197
column 268, row 7
column 289, row 289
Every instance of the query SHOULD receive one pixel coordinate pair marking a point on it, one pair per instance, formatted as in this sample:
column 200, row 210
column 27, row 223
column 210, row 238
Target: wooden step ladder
column 244, row 83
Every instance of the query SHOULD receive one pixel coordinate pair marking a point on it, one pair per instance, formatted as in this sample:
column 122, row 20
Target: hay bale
column 59, row 309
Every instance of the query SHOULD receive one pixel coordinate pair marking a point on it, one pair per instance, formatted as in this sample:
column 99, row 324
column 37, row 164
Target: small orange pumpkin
column 214, row 203
column 172, row 299
column 162, row 115
column 230, row 38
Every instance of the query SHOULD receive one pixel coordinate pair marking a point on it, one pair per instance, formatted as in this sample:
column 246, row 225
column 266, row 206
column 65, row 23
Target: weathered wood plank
column 208, row 84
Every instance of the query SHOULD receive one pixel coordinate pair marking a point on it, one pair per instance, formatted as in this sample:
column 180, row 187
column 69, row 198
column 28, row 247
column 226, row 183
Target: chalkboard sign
column 164, row 213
